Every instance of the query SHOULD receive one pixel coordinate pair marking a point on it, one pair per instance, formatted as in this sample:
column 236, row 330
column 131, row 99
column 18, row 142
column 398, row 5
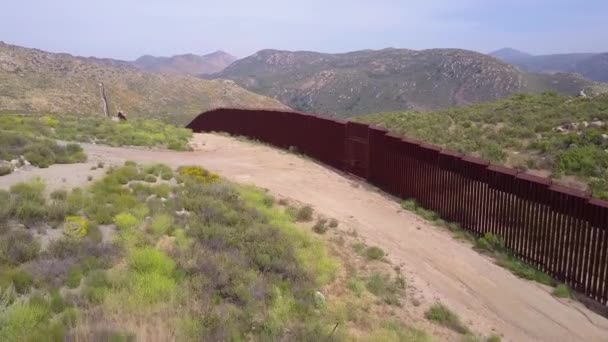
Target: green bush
column 198, row 174
column 409, row 204
column 18, row 247
column 562, row 291
column 523, row 270
column 57, row 304
column 74, row 277
column 150, row 179
column 441, row 314
column 57, row 210
column 161, row 224
column 64, row 247
column 490, row 242
column 76, row 226
column 589, row 161
column 21, row 321
column 374, row 253
column 148, row 260
column 5, row 168
column 22, row 281
column 382, row 286
column 320, row 227
column 125, row 221
column 59, row 195
column 304, row 214
column 28, row 201
column 6, row 208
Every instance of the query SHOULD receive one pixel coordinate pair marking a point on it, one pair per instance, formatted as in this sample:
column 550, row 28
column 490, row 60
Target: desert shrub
column 21, row 280
column 22, row 320
column 562, row 291
column 7, row 205
column 441, row 314
column 409, row 204
column 18, row 247
column 75, row 200
column 28, row 200
column 374, row 253
column 97, row 284
column 333, row 223
column 64, row 247
column 523, row 270
column 386, row 288
column 57, row 304
column 320, row 227
column 150, row 179
column 304, row 213
column 584, row 161
column 158, row 170
column 198, row 174
column 161, row 224
column 60, row 195
column 57, row 210
column 74, row 277
column 5, row 168
column 126, row 221
column 148, row 260
column 428, row 215
column 76, row 226
column 40, row 155
column 395, row 331
column 489, row 242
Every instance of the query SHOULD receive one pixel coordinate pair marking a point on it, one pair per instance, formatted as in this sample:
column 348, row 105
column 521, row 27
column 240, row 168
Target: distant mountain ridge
column 187, row 64
column 33, row 80
column 361, row 82
column 593, row 66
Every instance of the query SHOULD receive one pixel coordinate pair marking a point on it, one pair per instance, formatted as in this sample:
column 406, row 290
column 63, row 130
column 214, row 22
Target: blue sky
column 126, row 29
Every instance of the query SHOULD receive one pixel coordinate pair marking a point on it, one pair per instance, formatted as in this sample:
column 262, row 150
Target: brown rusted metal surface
column 561, row 231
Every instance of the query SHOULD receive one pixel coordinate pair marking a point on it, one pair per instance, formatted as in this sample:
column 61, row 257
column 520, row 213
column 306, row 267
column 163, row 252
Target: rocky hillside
column 593, row 66
column 37, row 81
column 548, row 134
column 392, row 79
column 188, row 64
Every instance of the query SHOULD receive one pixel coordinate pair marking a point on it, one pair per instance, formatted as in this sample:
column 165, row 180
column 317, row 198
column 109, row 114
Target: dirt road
column 487, row 297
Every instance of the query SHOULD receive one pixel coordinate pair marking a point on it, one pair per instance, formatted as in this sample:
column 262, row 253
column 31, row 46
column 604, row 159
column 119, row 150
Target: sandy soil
column 437, row 267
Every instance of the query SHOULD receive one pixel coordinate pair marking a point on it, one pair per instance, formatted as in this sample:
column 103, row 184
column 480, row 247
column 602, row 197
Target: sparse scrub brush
column 304, row 213
column 320, row 227
column 76, row 226
column 374, row 253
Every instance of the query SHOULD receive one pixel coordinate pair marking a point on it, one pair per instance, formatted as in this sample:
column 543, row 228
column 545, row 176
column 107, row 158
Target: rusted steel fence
column 561, row 231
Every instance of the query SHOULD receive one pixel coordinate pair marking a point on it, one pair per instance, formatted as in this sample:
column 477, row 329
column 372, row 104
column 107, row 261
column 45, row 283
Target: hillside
column 36, row 81
column 188, row 64
column 593, row 66
column 392, row 79
column 546, row 134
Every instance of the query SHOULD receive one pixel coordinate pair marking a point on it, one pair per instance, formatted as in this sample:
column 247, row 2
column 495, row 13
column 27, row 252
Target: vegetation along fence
column 561, row 231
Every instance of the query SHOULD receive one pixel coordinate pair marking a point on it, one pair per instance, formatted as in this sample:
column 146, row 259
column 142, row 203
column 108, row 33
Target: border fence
column 561, row 231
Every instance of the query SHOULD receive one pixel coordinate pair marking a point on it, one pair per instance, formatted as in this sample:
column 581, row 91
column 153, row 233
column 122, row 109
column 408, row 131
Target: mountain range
column 360, row 82
column 593, row 66
column 32, row 80
column 188, row 64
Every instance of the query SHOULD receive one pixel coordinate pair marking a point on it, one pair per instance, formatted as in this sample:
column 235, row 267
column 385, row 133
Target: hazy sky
column 127, row 29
